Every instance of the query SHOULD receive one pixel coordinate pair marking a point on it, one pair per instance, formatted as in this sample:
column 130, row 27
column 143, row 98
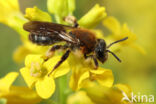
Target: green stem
column 63, row 86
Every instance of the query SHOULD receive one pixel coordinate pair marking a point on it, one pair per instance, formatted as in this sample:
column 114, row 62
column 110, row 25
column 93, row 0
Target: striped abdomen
column 43, row 39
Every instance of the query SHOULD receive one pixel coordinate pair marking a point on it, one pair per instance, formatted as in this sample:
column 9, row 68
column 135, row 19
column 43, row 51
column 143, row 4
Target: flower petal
column 20, row 54
column 99, row 33
column 126, row 32
column 30, row 80
column 139, row 48
column 82, row 78
column 35, row 48
column 33, row 58
column 61, row 70
column 103, row 76
column 7, row 81
column 21, row 95
column 79, row 97
column 45, row 87
column 104, row 95
column 125, row 88
column 8, row 7
column 77, row 78
column 112, row 24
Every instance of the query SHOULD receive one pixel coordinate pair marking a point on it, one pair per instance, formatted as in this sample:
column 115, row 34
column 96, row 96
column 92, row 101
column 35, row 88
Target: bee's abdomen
column 43, row 39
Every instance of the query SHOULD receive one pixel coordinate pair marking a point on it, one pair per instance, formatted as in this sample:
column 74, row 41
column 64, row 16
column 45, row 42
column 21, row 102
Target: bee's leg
column 52, row 50
column 94, row 59
column 63, row 58
column 71, row 20
column 95, row 62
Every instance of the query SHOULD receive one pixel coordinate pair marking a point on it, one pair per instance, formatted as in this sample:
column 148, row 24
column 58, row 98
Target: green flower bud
column 61, row 8
column 93, row 17
column 58, row 7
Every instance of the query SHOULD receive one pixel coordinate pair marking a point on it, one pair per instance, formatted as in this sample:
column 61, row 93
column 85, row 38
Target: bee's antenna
column 114, row 55
column 117, row 41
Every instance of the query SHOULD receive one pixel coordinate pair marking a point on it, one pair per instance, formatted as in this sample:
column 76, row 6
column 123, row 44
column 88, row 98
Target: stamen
column 35, row 70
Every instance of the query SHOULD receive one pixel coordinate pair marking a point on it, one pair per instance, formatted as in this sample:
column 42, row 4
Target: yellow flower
column 94, row 93
column 83, row 70
column 7, row 81
column 104, row 95
column 36, row 72
column 12, row 16
column 11, row 6
column 35, row 14
column 93, row 17
column 120, row 31
column 16, row 94
column 21, row 95
column 101, row 75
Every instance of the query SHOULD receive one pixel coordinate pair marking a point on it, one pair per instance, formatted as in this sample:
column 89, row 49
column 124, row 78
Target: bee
column 75, row 38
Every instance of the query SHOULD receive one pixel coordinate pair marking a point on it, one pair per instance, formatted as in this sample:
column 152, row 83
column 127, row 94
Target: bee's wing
column 66, row 37
column 35, row 26
column 47, row 28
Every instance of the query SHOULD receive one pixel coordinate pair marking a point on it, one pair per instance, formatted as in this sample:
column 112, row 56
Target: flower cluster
column 16, row 94
column 91, row 86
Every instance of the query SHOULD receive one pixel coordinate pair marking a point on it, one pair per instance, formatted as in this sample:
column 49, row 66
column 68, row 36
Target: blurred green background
column 137, row 70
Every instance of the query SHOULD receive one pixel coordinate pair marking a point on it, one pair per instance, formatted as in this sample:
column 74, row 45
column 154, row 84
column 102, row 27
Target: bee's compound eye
column 101, row 46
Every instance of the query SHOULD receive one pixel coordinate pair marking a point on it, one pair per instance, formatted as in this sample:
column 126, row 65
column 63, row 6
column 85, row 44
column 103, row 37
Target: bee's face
column 100, row 50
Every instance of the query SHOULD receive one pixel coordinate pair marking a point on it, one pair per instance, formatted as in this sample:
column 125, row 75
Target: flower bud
column 93, row 17
column 35, row 14
column 61, row 8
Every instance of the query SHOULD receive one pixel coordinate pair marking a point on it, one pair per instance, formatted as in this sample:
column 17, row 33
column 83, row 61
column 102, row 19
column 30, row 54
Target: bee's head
column 100, row 50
